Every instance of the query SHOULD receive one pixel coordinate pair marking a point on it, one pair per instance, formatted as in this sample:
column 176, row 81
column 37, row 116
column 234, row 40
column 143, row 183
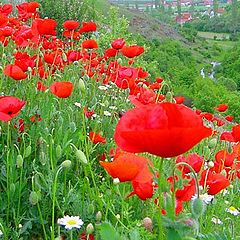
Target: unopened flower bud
column 28, row 151
column 212, row 143
column 19, row 161
column 81, row 156
column 116, row 181
column 197, row 207
column 99, row 216
column 169, row 97
column 119, row 60
column 147, row 223
column 210, row 164
column 81, row 85
column 89, row 228
column 66, row 164
column 34, row 198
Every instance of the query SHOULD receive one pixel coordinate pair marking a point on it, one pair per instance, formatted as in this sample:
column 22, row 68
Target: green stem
column 54, row 189
column 160, row 200
column 40, row 212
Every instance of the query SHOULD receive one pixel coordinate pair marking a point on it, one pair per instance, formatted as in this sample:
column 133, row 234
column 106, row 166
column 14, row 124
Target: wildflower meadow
column 92, row 146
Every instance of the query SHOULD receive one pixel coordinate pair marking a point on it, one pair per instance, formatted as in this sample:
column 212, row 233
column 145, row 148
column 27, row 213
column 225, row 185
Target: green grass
column 212, row 35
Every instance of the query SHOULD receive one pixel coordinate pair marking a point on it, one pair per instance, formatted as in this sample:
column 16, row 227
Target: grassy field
column 212, row 35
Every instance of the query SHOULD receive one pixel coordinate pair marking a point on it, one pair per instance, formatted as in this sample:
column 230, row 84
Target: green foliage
column 230, row 65
column 227, row 22
column 62, row 10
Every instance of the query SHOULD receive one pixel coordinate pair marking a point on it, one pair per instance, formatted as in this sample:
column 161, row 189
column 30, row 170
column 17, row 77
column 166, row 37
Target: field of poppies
column 92, row 147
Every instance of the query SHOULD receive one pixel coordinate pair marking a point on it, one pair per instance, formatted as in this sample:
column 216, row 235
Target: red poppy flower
column 3, row 20
column 179, row 99
column 88, row 27
column 89, row 44
column 229, row 118
column 10, row 107
column 164, row 129
column 221, row 107
column 61, row 89
column 187, row 192
column 143, row 184
column 6, row 9
column 41, row 86
column 15, row 72
column 85, row 236
column 227, row 136
column 125, row 166
column 214, row 182
column 193, row 159
column 87, row 113
column 110, row 52
column 96, row 138
column 118, row 43
column 233, row 136
column 71, row 24
column 144, row 97
column 45, row 26
column 236, row 132
column 132, row 51
column 224, row 159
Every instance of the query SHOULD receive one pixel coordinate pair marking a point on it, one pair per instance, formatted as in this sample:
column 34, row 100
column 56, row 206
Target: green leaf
column 135, row 235
column 172, row 234
column 107, row 231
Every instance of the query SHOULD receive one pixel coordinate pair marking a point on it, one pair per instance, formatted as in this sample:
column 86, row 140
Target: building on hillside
column 183, row 18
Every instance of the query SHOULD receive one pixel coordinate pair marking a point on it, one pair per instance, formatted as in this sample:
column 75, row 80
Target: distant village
column 203, row 7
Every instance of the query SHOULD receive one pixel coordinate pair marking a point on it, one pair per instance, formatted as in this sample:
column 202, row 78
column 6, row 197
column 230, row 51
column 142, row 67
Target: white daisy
column 206, row 198
column 216, row 221
column 104, row 88
column 70, row 222
column 233, row 211
column 107, row 113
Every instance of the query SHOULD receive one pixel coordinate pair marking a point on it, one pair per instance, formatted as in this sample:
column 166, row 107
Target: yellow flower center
column 71, row 222
column 232, row 208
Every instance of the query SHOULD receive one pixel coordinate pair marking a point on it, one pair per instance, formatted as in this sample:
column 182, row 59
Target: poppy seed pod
column 198, row 207
column 147, row 224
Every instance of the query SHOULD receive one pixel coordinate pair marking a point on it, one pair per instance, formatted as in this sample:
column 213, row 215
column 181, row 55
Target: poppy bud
column 99, row 216
column 212, row 143
column 81, row 156
column 147, row 223
column 72, row 126
column 197, row 207
column 42, row 157
column 89, row 228
column 169, row 97
column 85, row 77
column 66, row 164
column 116, row 181
column 210, row 164
column 91, row 208
column 207, row 152
column 64, row 57
column 58, row 151
column 224, row 172
column 28, row 151
column 19, row 161
column 81, row 85
column 34, row 198
column 119, row 60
